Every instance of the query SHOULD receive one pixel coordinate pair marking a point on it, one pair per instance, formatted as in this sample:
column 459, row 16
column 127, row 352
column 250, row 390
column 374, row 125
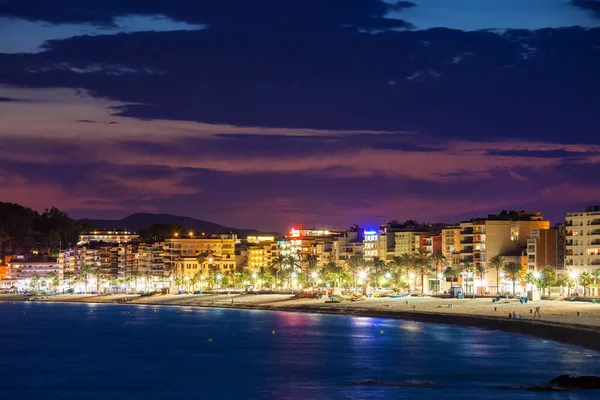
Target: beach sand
column 559, row 319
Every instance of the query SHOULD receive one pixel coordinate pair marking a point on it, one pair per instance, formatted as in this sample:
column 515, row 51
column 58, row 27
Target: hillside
column 137, row 221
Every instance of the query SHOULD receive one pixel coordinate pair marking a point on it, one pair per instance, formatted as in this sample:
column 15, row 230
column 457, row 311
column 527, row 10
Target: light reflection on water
column 151, row 352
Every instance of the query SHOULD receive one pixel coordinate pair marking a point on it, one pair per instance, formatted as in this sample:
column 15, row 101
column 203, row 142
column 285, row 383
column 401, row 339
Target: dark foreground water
column 80, row 351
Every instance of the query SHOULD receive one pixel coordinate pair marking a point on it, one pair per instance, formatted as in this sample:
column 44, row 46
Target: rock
column 576, row 382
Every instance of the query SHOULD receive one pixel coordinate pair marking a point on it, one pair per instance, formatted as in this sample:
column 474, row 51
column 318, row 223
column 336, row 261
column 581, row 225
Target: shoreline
column 587, row 336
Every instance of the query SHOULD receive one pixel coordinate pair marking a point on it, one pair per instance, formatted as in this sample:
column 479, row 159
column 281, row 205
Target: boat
column 399, row 296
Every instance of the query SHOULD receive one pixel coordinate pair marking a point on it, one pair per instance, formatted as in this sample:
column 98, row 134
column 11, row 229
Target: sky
column 274, row 113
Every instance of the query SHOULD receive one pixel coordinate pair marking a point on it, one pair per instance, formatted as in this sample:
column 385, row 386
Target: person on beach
column 537, row 312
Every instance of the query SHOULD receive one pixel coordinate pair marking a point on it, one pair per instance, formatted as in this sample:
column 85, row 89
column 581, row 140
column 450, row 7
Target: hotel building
column 583, row 240
column 108, row 236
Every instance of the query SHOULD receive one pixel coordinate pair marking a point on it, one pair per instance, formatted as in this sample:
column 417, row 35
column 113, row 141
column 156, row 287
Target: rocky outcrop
column 563, row 383
column 576, row 382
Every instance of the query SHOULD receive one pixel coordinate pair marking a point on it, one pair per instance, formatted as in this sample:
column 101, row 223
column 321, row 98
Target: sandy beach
column 559, row 319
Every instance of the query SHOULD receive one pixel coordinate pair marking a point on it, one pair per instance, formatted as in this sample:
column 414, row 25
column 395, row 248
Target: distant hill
column 143, row 220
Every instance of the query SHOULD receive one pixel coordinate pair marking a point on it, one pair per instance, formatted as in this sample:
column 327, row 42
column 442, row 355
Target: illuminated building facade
column 582, row 235
column 108, row 236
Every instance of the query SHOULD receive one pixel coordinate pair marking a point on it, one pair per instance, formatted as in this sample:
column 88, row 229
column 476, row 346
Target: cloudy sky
column 270, row 113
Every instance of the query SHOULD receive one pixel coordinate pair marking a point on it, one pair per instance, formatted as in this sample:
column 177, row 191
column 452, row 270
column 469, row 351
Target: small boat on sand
column 399, row 296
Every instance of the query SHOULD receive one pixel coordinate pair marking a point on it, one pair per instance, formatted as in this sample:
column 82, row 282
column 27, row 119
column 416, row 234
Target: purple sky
column 287, row 112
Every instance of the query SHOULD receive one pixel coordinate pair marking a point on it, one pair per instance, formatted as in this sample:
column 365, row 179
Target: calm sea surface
column 81, row 351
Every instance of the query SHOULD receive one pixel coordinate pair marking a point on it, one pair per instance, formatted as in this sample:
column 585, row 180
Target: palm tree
column 86, row 271
column 497, row 262
column 513, row 270
column 377, row 266
column 452, row 273
column 54, row 280
column 278, row 264
column 147, row 276
column 586, row 279
column 406, row 262
column 35, row 279
column 439, row 261
column 135, row 275
column 467, row 269
column 68, row 277
column 482, row 269
column 311, row 262
column 213, row 270
column 421, row 266
column 98, row 273
column 355, row 264
column 548, row 278
column 596, row 275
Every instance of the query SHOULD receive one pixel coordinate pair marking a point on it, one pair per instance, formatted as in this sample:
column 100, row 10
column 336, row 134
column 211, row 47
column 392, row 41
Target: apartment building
column 582, row 251
column 110, row 236
column 347, row 244
column 505, row 234
column 149, row 257
column 180, row 253
column 25, row 271
column 451, row 244
column 542, row 249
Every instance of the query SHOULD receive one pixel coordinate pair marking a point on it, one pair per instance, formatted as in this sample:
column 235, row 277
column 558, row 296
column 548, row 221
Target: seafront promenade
column 575, row 322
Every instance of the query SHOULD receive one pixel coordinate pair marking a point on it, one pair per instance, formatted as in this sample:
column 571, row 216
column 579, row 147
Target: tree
column 98, row 274
column 468, row 269
column 278, row 264
column 135, row 275
column 513, row 270
column 548, row 277
column 355, row 264
column 377, row 266
column 421, row 266
column 586, row 279
column 86, row 271
column 596, row 275
column 482, row 269
column 452, row 273
column 147, row 276
column 311, row 262
column 53, row 279
column 35, row 280
column 497, row 262
column 68, row 277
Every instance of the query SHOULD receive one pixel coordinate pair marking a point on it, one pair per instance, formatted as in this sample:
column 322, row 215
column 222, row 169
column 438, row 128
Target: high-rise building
column 583, row 240
column 505, row 234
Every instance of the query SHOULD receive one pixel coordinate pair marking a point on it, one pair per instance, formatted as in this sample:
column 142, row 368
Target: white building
column 108, row 236
column 583, row 240
column 31, row 273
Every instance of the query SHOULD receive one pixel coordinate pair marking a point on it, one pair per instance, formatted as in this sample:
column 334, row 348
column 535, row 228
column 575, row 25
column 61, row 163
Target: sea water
column 88, row 351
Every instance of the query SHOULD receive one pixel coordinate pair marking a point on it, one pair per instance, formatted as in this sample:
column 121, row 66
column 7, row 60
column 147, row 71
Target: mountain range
column 142, row 220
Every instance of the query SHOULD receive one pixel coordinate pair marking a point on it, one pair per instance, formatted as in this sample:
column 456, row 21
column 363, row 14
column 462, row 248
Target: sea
column 92, row 351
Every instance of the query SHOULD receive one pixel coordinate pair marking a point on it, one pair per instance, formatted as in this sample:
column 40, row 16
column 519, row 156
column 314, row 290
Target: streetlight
column 218, row 277
column 388, row 275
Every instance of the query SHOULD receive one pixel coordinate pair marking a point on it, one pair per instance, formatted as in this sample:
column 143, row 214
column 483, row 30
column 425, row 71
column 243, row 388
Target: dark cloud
column 533, row 84
column 591, row 5
column 231, row 15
